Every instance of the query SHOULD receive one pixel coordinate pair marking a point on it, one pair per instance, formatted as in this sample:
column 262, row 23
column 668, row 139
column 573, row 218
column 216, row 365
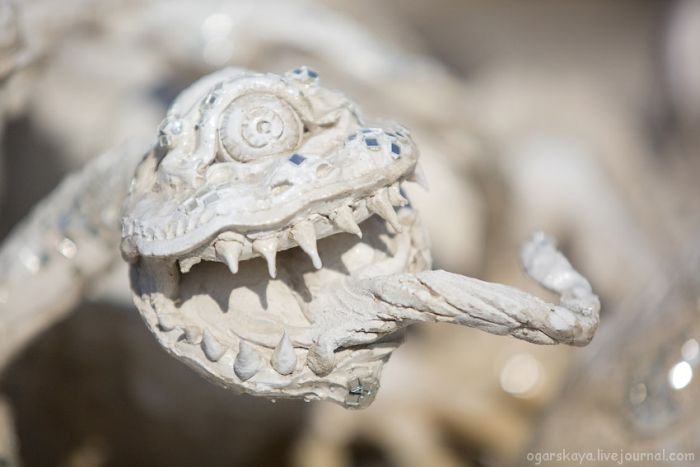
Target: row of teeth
column 230, row 247
column 248, row 361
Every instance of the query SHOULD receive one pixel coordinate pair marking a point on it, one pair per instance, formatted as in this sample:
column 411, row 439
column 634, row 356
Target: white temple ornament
column 273, row 250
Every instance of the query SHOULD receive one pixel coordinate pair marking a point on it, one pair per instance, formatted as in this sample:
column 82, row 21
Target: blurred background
column 581, row 118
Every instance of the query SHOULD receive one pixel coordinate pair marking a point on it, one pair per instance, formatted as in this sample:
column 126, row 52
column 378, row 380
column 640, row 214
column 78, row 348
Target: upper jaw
column 340, row 215
column 285, row 209
column 197, row 199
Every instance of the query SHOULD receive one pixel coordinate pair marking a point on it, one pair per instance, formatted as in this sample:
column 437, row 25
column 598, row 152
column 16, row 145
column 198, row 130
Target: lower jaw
column 202, row 317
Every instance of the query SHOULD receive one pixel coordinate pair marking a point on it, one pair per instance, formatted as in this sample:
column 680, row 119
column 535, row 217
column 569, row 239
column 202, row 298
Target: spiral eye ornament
column 259, row 125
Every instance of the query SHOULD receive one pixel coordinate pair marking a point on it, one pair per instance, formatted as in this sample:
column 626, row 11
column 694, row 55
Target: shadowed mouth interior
column 210, row 291
column 260, row 331
column 230, row 247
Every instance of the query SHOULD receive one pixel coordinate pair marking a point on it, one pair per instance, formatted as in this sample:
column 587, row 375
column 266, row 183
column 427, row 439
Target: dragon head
column 260, row 194
column 271, row 247
column 249, row 164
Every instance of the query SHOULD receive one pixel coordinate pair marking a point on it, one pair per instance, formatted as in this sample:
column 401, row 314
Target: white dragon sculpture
column 271, row 245
column 273, row 250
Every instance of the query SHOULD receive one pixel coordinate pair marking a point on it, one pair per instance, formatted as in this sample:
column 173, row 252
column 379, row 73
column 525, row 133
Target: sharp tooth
column 247, row 362
column 284, row 359
column 380, row 205
column 230, row 252
column 187, row 263
column 321, row 358
column 268, row 248
column 346, row 222
column 395, row 196
column 167, row 322
column 193, row 334
column 419, row 177
column 212, row 348
column 305, row 235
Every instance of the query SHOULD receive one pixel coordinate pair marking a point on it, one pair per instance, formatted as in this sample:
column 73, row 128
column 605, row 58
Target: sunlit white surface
column 521, row 375
column 680, row 375
column 67, row 248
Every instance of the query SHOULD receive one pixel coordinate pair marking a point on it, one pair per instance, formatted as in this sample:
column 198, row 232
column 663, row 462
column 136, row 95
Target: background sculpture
column 576, row 118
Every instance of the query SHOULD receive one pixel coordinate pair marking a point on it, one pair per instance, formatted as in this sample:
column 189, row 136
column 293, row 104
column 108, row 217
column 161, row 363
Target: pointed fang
column 193, row 335
column 230, row 252
column 247, row 362
column 305, row 235
column 187, row 263
column 284, row 359
column 419, row 177
column 346, row 222
column 212, row 348
column 380, row 205
column 321, row 357
column 268, row 248
column 395, row 196
column 167, row 322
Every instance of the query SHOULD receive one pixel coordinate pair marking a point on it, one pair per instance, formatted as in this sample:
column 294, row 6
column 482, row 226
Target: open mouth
column 256, row 334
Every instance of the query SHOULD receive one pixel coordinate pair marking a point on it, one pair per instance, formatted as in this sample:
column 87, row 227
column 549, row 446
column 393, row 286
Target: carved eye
column 259, row 125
